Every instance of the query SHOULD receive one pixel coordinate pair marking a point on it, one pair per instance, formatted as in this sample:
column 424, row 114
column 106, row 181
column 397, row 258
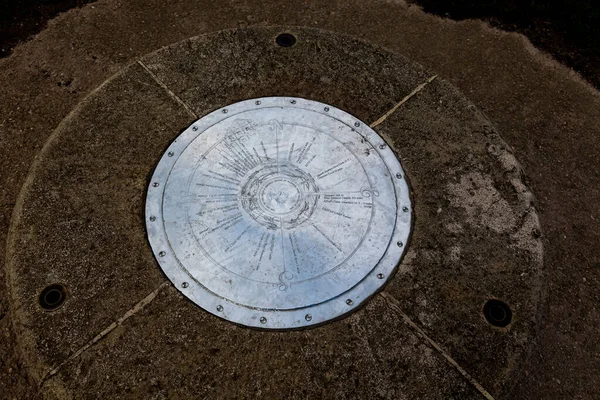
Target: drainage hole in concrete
column 52, row 297
column 285, row 40
column 497, row 313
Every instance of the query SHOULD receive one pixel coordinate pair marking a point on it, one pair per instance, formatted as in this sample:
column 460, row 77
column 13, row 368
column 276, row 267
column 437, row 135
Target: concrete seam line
column 395, row 306
column 404, row 100
column 171, row 93
column 131, row 312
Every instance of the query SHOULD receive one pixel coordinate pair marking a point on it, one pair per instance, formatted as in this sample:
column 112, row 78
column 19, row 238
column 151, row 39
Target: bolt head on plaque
column 278, row 211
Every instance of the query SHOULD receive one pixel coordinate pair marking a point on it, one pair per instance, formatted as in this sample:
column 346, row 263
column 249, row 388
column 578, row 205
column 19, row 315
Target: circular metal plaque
column 278, row 212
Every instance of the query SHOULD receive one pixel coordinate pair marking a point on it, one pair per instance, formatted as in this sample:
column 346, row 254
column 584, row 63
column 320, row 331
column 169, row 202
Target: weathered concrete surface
column 89, row 239
column 91, row 178
column 196, row 355
column 545, row 112
column 475, row 234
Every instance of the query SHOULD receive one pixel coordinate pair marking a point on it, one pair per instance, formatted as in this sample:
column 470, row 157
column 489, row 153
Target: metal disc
column 278, row 212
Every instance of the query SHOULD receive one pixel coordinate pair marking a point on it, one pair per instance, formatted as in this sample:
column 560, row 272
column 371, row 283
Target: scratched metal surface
column 278, row 212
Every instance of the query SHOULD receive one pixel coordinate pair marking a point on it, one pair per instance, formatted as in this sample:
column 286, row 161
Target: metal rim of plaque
column 278, row 212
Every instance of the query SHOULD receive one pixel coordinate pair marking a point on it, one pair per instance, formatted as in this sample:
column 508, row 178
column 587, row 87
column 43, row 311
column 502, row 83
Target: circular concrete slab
column 278, row 212
column 80, row 223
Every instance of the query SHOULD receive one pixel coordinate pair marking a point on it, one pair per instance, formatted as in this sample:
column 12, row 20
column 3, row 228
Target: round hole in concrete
column 285, row 40
column 497, row 313
column 52, row 297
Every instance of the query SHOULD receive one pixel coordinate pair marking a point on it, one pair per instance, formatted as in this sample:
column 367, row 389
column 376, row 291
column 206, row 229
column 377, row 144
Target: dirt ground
column 548, row 114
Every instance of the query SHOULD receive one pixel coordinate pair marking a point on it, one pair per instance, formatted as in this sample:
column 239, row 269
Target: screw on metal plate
column 162, row 254
column 171, row 154
column 224, row 111
column 152, row 218
column 405, row 209
column 293, row 101
column 399, row 175
column 155, row 184
column 263, row 320
column 326, row 109
column 399, row 244
column 219, row 308
column 257, row 102
column 349, row 302
column 357, row 124
column 382, row 146
column 194, row 128
column 308, row 317
column 380, row 276
column 185, row 284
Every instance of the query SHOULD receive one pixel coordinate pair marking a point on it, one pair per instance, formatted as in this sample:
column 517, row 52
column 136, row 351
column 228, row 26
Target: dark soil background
column 21, row 19
column 567, row 29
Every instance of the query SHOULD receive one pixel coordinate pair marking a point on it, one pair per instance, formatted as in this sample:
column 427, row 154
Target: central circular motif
column 274, row 209
column 277, row 195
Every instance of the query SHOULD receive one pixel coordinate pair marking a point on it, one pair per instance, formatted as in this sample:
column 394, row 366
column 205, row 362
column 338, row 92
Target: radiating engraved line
column 395, row 306
column 333, row 169
column 290, row 152
column 130, row 313
column 404, row 100
column 331, row 193
column 336, row 184
column 277, row 142
column 386, row 208
column 276, row 125
column 334, row 244
column 282, row 246
column 171, row 93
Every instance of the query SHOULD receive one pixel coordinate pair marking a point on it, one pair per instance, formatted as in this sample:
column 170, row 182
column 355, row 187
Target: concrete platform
column 79, row 222
column 455, row 178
